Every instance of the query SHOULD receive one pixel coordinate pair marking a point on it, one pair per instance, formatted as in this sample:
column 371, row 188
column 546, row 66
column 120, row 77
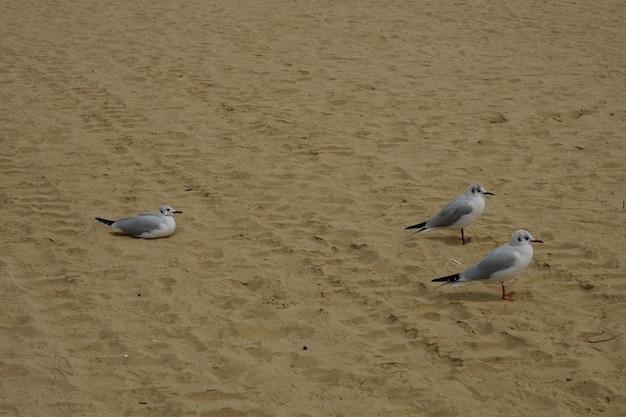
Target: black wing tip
column 449, row 278
column 416, row 226
column 105, row 221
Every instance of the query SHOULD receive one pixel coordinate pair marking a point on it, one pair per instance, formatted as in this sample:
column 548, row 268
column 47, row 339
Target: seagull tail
column 449, row 279
column 421, row 226
column 105, row 221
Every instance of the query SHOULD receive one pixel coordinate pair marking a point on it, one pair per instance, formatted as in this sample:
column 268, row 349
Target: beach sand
column 300, row 138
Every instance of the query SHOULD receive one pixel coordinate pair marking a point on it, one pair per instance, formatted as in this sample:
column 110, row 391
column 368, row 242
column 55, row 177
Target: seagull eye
column 519, row 239
column 526, row 237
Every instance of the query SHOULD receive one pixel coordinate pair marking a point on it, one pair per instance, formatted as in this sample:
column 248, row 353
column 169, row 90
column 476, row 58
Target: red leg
column 468, row 240
column 507, row 296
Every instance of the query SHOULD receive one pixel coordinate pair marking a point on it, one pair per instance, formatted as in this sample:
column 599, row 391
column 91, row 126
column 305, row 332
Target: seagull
column 148, row 225
column 502, row 262
column 458, row 213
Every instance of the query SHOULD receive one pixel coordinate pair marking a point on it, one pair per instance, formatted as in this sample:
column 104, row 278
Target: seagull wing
column 138, row 225
column 498, row 260
column 450, row 214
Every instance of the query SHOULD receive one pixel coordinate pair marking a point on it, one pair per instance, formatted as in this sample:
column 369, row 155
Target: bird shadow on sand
column 474, row 297
column 122, row 234
column 448, row 240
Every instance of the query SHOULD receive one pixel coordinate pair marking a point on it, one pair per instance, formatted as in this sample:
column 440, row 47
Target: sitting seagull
column 503, row 262
column 458, row 213
column 148, row 225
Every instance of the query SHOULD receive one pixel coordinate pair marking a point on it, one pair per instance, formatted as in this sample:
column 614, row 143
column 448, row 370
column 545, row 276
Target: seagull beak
column 488, row 193
column 178, row 212
column 537, row 241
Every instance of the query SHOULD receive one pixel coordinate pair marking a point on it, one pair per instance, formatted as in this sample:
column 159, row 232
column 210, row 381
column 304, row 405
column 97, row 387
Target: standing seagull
column 148, row 225
column 503, row 262
column 458, row 213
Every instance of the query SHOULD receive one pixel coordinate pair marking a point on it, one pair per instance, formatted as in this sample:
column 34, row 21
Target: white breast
column 165, row 229
column 523, row 256
column 478, row 205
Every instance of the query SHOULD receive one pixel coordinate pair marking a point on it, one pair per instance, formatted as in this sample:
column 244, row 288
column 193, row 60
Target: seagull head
column 168, row 211
column 523, row 237
column 476, row 190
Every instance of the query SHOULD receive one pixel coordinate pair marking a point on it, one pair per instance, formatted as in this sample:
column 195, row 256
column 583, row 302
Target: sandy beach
column 300, row 139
